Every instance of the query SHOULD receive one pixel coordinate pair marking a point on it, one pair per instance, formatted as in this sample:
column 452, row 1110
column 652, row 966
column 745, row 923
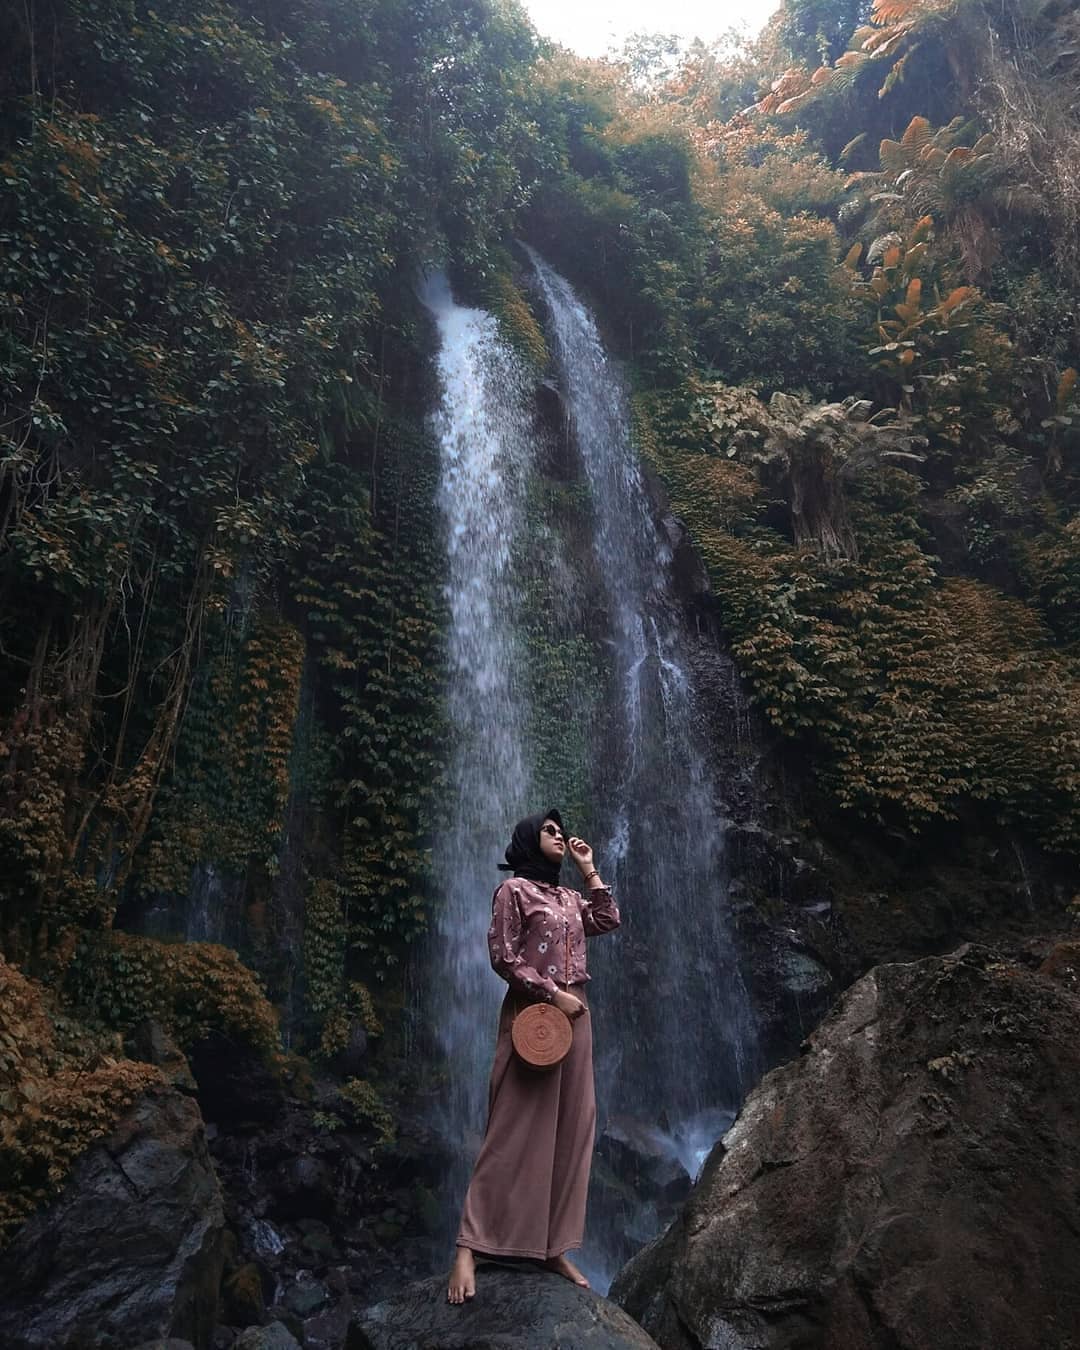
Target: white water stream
column 676, row 1045
column 484, row 431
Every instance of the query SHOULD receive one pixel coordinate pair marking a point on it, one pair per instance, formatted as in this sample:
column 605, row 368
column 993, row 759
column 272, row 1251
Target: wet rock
column 641, row 1155
column 513, row 1310
column 133, row 1246
column 907, row 1183
column 276, row 1336
column 305, row 1295
column 317, row 1241
column 328, row 1329
column 304, row 1188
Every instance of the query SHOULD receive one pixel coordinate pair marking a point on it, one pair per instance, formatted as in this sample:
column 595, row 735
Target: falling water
column 675, row 1041
column 673, row 1024
column 484, row 428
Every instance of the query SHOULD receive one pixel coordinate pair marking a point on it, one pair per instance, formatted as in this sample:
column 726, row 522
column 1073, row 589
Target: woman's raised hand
column 581, row 853
column 569, row 1004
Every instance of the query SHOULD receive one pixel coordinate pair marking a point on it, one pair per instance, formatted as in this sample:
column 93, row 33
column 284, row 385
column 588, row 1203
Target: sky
column 591, row 27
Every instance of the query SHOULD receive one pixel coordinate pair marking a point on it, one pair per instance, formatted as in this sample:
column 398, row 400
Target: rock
column 274, row 1337
column 131, row 1249
column 305, row 1296
column 169, row 1343
column 316, row 1241
column 150, row 1043
column 1062, row 963
column 513, row 1310
column 909, row 1183
column 644, row 1157
column 303, row 1188
column 327, row 1329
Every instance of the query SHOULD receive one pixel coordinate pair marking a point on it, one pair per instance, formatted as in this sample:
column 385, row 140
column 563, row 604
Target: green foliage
column 195, row 356
column 910, row 694
column 817, row 31
column 55, row 1099
column 324, row 948
column 368, row 1108
column 191, row 988
column 564, row 669
column 373, row 614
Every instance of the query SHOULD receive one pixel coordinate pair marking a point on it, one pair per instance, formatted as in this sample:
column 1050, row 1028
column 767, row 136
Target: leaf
column 851, row 146
column 851, row 258
column 918, row 134
column 960, row 296
column 1066, row 385
column 886, row 12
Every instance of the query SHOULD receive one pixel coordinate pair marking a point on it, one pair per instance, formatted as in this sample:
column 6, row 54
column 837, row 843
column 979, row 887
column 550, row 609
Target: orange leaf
column 960, row 296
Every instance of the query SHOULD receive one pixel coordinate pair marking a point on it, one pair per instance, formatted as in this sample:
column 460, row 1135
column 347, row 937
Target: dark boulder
column 909, row 1184
column 644, row 1157
column 132, row 1248
column 513, row 1310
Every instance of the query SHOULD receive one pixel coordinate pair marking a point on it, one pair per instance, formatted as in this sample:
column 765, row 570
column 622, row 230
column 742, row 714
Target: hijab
column 524, row 857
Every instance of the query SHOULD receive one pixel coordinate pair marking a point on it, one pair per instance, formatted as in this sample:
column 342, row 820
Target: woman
column 527, row 1193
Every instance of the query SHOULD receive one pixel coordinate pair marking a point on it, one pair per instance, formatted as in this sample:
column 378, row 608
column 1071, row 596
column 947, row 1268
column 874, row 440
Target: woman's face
column 552, row 843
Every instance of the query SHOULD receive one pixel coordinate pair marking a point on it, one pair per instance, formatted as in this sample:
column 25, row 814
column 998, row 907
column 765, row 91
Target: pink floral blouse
column 535, row 926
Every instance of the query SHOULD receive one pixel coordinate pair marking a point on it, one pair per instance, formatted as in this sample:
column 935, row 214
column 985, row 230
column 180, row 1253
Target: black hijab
column 524, row 858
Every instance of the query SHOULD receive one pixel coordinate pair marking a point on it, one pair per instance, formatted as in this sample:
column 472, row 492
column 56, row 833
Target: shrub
column 192, row 988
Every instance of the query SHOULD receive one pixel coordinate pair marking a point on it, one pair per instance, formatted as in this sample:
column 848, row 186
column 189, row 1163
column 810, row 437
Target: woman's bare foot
column 563, row 1266
column 462, row 1277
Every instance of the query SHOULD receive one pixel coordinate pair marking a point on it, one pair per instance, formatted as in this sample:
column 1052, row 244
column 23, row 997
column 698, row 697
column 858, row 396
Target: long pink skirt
column 528, row 1188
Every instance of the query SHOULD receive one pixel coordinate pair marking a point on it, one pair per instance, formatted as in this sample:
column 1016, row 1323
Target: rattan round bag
column 542, row 1035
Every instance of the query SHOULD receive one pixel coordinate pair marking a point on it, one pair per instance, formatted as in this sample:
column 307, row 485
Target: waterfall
column 675, row 1035
column 484, row 429
column 675, row 1042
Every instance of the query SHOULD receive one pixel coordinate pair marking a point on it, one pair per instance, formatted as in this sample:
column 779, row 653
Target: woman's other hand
column 569, row 1004
column 581, row 853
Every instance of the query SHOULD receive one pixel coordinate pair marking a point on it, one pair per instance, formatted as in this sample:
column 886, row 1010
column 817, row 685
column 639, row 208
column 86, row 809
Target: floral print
column 522, row 932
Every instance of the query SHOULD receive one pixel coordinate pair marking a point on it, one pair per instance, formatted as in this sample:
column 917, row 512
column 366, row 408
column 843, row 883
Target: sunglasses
column 553, row 831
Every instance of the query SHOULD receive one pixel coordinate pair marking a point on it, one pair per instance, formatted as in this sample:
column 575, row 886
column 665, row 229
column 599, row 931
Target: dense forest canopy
column 840, row 265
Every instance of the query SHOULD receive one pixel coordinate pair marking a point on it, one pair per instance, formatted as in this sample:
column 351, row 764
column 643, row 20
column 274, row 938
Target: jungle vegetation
column 840, row 264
